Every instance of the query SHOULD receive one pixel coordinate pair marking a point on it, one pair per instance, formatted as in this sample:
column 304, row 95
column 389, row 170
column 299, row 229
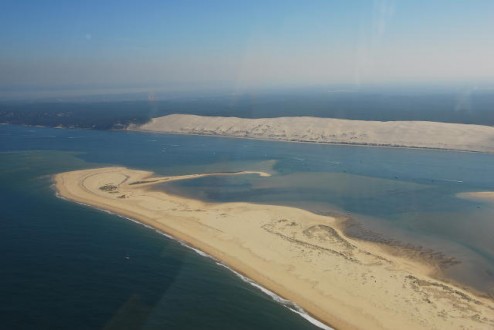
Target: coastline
column 301, row 256
column 286, row 303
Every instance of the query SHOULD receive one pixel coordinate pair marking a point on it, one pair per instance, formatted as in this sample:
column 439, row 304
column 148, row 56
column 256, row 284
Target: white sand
column 416, row 134
column 302, row 256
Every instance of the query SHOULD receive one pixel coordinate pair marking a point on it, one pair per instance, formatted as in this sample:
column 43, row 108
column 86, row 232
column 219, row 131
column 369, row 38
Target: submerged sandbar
column 487, row 196
column 302, row 256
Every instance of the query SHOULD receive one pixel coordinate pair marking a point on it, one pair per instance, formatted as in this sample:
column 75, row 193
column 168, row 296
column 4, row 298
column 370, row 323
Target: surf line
column 284, row 302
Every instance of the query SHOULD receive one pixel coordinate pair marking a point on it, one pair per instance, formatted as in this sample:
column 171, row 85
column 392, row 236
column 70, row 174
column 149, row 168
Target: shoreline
column 290, row 253
column 352, row 227
column 292, row 306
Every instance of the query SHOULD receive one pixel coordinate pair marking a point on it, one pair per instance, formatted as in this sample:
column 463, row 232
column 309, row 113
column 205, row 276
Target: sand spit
column 302, row 256
column 486, row 196
column 410, row 134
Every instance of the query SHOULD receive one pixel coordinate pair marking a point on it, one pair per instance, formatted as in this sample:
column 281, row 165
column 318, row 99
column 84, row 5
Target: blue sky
column 244, row 43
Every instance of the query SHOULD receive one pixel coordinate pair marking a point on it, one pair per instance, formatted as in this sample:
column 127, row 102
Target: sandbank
column 301, row 256
column 487, row 196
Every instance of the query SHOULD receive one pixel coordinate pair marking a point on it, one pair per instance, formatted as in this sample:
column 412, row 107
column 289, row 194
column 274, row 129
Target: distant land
column 446, row 105
column 413, row 134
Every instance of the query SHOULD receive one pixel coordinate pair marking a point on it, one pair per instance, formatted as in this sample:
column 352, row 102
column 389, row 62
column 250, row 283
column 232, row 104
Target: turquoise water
column 69, row 266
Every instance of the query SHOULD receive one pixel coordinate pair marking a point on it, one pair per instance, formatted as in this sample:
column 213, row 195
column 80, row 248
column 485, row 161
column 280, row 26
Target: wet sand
column 303, row 257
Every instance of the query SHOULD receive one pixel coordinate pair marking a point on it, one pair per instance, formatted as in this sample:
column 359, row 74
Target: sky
column 82, row 44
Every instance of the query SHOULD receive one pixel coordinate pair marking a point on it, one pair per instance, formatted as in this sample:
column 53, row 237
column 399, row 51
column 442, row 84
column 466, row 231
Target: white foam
column 286, row 303
column 312, row 320
column 199, row 252
column 447, row 180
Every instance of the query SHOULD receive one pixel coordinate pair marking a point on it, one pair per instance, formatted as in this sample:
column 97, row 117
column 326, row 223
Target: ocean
column 66, row 265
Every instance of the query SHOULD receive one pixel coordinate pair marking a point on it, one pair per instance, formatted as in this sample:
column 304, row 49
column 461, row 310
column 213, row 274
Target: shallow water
column 427, row 216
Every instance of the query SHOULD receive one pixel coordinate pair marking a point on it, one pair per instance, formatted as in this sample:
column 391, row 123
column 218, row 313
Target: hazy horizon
column 57, row 46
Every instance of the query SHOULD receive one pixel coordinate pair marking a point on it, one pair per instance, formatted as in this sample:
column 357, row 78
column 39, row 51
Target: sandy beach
column 409, row 134
column 303, row 257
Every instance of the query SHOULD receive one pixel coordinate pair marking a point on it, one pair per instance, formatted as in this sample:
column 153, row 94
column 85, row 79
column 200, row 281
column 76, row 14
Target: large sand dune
column 415, row 134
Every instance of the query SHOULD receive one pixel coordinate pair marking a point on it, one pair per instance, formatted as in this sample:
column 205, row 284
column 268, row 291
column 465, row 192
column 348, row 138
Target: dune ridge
column 410, row 134
column 301, row 256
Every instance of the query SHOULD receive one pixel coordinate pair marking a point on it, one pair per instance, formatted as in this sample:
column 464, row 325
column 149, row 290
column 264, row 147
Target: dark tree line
column 440, row 107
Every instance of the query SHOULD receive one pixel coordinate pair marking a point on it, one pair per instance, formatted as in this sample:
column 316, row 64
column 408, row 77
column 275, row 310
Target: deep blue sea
column 67, row 266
